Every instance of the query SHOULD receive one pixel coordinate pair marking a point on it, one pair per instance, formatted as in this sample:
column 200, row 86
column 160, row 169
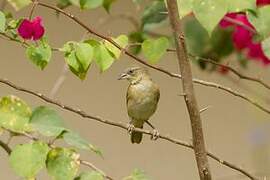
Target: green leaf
column 196, row 36
column 14, row 23
column 72, row 60
column 121, row 40
column 93, row 175
column 107, row 4
column 240, row 5
column 2, row 21
column 184, row 7
column 40, row 55
column 137, row 174
column 90, row 4
column 136, row 37
column 14, row 114
column 266, row 47
column 103, row 57
column 28, row 159
column 261, row 21
column 154, row 14
column 62, row 164
column 84, row 53
column 155, row 49
column 74, row 139
column 209, row 12
column 46, row 121
column 19, row 4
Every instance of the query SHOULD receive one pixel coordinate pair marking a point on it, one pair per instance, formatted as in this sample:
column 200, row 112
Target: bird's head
column 134, row 74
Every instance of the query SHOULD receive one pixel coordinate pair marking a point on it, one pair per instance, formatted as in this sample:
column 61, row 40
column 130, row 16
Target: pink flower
column 241, row 37
column 255, row 52
column 262, row 2
column 31, row 29
column 224, row 23
column 233, row 18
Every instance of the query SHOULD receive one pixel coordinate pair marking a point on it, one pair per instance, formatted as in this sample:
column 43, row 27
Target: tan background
column 227, row 124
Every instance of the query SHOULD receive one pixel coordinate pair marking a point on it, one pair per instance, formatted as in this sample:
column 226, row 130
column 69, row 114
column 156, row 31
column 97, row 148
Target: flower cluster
column 31, row 29
column 242, row 37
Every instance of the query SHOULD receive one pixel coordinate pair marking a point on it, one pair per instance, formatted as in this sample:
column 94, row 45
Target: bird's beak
column 122, row 76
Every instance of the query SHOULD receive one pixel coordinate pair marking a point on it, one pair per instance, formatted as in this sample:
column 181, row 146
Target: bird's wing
column 128, row 95
column 158, row 94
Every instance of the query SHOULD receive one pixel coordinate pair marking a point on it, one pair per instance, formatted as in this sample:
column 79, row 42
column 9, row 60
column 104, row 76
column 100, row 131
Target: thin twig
column 233, row 92
column 24, row 44
column 241, row 76
column 120, row 125
column 204, row 109
column 5, row 147
column 92, row 166
column 35, row 3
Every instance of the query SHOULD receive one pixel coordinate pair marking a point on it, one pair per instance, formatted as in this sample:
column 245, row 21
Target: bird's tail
column 136, row 137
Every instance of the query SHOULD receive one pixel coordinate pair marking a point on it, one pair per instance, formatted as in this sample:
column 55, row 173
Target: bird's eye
column 130, row 71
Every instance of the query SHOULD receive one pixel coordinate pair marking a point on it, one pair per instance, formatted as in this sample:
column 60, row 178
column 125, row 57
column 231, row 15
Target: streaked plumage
column 141, row 99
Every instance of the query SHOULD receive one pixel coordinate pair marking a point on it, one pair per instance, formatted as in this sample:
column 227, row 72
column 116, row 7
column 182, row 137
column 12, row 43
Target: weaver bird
column 141, row 99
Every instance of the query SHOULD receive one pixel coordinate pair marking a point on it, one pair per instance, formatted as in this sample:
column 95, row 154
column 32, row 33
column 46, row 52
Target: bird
column 141, row 100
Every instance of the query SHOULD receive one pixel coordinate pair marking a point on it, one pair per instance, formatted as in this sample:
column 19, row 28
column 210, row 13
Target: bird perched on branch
column 141, row 100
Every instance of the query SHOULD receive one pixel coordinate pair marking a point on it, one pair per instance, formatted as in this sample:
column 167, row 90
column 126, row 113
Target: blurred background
column 234, row 130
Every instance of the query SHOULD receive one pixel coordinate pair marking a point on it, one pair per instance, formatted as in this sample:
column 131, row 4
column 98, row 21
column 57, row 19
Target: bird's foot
column 155, row 135
column 130, row 128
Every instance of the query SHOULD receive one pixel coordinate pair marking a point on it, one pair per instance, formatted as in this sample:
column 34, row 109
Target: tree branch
column 188, row 89
column 121, row 125
column 5, row 147
column 234, row 71
column 92, row 166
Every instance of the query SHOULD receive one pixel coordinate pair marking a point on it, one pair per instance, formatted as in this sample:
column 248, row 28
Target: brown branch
column 4, row 35
column 241, row 76
column 188, row 89
column 5, row 147
column 92, row 166
column 120, row 125
column 35, row 3
column 233, row 92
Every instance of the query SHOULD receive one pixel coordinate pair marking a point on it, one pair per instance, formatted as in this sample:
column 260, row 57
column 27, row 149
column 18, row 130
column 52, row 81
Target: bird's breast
column 142, row 100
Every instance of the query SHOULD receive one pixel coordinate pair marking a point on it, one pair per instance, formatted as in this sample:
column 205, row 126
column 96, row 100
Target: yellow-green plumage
column 141, row 99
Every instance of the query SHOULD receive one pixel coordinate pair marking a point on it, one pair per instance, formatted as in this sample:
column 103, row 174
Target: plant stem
column 190, row 99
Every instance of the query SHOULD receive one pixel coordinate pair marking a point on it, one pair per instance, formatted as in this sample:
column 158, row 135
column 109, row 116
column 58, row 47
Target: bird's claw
column 130, row 128
column 155, row 135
